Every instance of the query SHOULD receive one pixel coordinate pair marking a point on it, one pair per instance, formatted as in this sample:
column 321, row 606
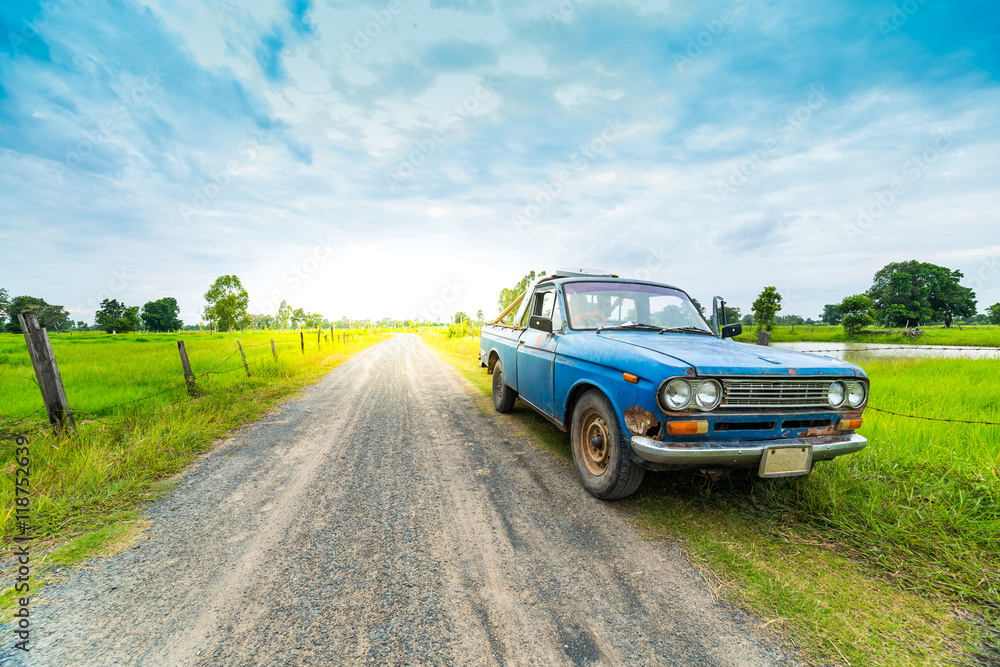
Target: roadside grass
column 86, row 488
column 889, row 556
column 978, row 336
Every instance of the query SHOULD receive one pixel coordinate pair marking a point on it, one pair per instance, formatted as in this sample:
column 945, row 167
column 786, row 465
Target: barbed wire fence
column 11, row 428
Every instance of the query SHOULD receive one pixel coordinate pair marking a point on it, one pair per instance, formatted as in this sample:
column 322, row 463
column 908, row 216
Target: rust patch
column 689, row 372
column 641, row 422
column 792, row 371
column 816, row 432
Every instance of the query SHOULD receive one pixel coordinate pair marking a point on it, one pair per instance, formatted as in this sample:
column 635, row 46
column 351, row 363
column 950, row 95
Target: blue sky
column 407, row 158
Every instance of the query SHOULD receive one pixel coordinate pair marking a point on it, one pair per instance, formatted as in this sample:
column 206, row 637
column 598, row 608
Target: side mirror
column 540, row 323
column 732, row 330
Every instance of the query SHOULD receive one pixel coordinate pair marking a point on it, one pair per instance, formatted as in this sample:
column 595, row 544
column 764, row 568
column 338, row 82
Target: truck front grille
column 775, row 393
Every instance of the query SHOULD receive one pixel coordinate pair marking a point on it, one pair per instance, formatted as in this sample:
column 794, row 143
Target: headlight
column 836, row 393
column 856, row 394
column 708, row 395
column 676, row 395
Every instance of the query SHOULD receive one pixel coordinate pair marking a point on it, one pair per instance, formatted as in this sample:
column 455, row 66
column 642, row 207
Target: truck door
column 536, row 352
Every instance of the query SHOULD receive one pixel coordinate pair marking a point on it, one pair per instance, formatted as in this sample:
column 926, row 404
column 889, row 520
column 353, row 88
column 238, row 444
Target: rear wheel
column 601, row 456
column 503, row 396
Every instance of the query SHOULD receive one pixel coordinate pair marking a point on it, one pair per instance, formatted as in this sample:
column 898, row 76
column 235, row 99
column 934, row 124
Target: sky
column 410, row 158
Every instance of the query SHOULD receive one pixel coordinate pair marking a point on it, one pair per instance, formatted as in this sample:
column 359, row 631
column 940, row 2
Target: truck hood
column 712, row 356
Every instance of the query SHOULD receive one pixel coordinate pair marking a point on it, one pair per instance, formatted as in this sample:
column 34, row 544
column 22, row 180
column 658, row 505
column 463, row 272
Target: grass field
column 964, row 336
column 85, row 489
column 890, row 556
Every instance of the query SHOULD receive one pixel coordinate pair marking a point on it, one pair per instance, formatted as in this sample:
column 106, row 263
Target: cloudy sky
column 411, row 157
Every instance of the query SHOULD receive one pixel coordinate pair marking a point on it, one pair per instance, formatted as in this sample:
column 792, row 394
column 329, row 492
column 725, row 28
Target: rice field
column 981, row 335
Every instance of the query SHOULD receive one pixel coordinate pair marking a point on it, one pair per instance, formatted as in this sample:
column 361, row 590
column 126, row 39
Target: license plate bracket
column 786, row 461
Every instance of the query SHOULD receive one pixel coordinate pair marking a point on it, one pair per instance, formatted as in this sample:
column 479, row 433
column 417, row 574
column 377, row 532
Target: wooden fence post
column 188, row 375
column 302, row 340
column 764, row 338
column 240, row 345
column 274, row 350
column 47, row 372
column 318, row 346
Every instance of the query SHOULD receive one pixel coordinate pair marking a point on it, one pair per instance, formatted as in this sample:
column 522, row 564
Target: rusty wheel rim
column 594, row 445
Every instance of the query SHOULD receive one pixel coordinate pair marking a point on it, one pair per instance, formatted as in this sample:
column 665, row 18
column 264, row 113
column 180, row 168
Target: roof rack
column 583, row 273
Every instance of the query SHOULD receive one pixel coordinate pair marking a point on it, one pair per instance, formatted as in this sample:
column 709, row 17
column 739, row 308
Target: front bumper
column 739, row 453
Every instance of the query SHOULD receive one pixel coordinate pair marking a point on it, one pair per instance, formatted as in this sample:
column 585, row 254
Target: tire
column 602, row 458
column 503, row 395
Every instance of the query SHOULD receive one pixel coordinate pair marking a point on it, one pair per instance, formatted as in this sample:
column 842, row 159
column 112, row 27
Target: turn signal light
column 628, row 377
column 849, row 424
column 687, row 428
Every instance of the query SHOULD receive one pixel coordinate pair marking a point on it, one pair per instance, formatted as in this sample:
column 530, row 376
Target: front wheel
column 503, row 396
column 600, row 454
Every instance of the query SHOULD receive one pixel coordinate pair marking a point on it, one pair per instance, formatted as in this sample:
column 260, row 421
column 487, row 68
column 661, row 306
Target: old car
column 643, row 381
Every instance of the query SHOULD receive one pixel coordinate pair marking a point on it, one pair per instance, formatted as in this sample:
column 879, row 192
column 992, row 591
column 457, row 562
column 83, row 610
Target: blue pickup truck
column 642, row 381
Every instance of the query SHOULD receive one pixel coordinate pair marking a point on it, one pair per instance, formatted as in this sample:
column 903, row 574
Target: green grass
column 979, row 336
column 86, row 487
column 889, row 556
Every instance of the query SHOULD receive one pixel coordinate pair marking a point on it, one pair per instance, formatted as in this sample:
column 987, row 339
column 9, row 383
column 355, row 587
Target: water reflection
column 864, row 351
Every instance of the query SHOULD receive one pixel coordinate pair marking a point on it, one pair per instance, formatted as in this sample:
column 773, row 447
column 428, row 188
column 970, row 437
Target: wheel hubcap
column 594, row 443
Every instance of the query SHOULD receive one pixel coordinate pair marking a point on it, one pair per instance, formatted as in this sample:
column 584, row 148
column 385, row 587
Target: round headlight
column 708, row 395
column 856, row 394
column 676, row 394
column 836, row 393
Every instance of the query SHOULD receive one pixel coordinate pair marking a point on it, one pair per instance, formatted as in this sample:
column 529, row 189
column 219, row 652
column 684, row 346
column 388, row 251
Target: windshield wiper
column 633, row 325
column 697, row 330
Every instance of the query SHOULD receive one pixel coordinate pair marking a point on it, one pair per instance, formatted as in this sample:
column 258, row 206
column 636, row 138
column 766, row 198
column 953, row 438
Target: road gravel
column 384, row 517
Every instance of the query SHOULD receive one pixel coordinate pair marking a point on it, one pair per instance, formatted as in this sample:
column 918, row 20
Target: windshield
column 599, row 305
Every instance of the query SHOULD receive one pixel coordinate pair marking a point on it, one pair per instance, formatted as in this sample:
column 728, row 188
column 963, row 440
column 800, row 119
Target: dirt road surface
column 382, row 518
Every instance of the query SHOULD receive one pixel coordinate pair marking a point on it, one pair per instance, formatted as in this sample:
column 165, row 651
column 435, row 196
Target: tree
column 116, row 317
column 4, row 305
column 284, row 315
column 697, row 304
column 50, row 316
column 227, row 301
column 856, row 313
column 831, row 314
column 479, row 315
column 161, row 315
column 748, row 320
column 993, row 313
column 732, row 314
column 298, row 317
column 460, row 317
column 766, row 306
column 507, row 296
column 914, row 292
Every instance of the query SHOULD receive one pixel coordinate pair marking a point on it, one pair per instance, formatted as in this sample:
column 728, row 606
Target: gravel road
column 383, row 518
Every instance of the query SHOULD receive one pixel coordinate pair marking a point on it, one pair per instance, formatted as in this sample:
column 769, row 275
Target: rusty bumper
column 740, row 453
